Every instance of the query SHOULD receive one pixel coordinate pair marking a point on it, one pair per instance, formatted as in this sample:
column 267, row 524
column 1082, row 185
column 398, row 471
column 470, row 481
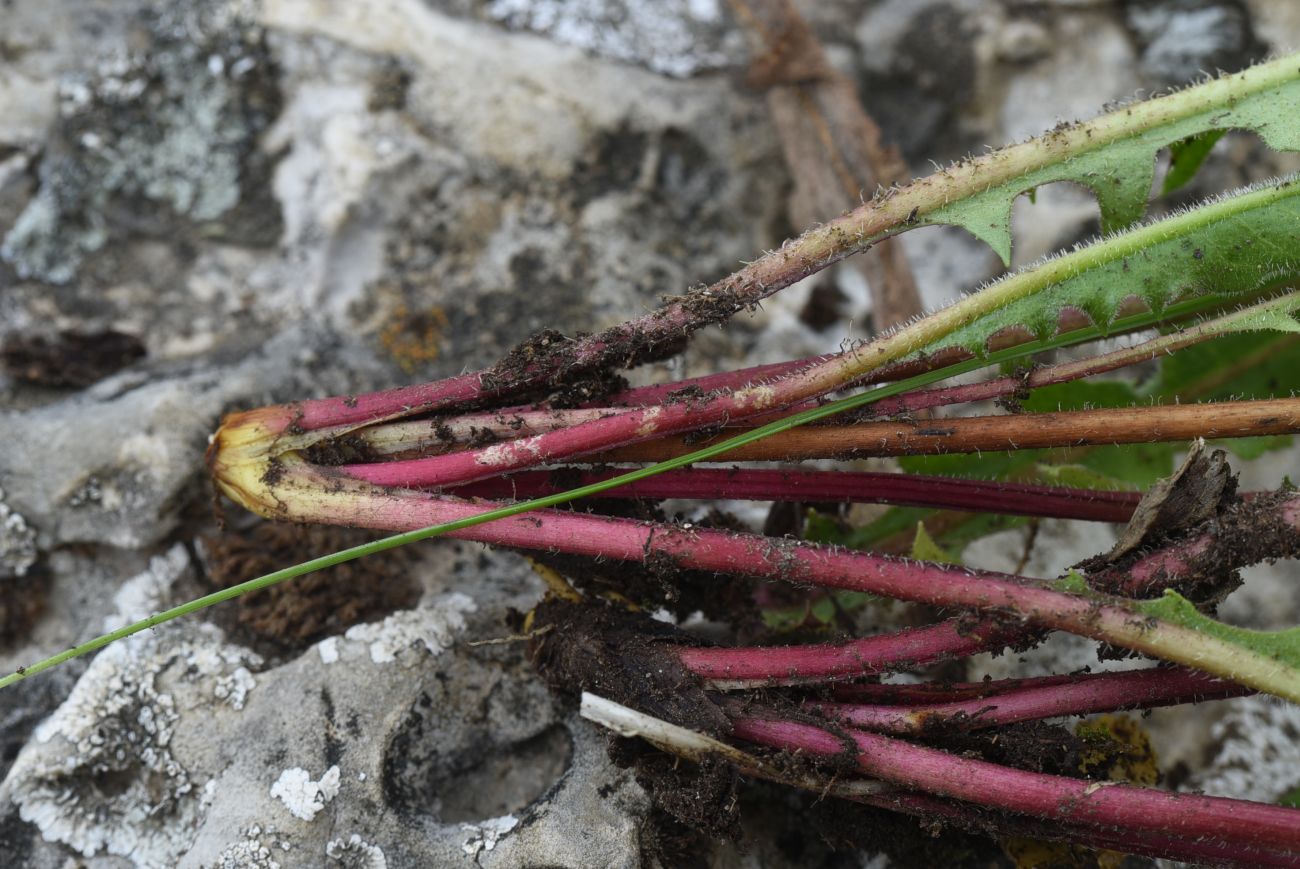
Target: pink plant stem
column 516, row 422
column 321, row 413
column 335, row 500
column 1017, row 431
column 929, row 693
column 1237, row 823
column 1142, row 844
column 1098, row 692
column 1064, row 372
column 786, row 665
column 626, row 428
column 914, row 490
column 642, row 396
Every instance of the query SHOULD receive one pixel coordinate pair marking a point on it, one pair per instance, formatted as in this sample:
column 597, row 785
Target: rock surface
column 289, row 198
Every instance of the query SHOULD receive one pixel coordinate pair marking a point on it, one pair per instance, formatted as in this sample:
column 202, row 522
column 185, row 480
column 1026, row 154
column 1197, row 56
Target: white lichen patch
column 250, row 853
column 17, row 542
column 1259, row 751
column 485, row 835
column 678, row 38
column 356, row 853
column 329, row 650
column 115, row 725
column 234, row 688
column 499, row 455
column 757, row 397
column 434, row 627
column 303, row 797
column 118, row 725
column 146, row 593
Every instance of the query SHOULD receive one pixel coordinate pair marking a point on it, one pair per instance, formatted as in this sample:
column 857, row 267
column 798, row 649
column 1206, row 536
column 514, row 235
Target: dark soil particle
column 345, row 450
column 824, row 307
column 660, row 582
column 1033, row 746
column 291, row 616
column 624, row 656
column 588, row 390
column 70, row 359
column 22, row 604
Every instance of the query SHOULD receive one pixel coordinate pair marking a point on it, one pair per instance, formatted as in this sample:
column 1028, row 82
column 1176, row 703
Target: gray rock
column 677, row 37
column 110, row 465
column 164, row 131
column 1184, row 39
column 395, row 744
column 100, row 775
column 921, row 69
column 402, row 189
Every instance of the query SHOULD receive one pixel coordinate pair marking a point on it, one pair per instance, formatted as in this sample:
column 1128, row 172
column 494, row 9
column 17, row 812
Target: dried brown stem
column 1077, row 428
column 832, row 147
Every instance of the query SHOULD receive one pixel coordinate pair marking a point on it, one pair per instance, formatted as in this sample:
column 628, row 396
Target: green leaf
column 1081, row 395
column 971, row 466
column 1079, row 477
column 1254, row 447
column 1186, row 157
column 925, row 549
column 1251, row 365
column 1139, row 465
column 1280, row 646
column 1115, row 155
column 1235, row 366
column 1231, row 247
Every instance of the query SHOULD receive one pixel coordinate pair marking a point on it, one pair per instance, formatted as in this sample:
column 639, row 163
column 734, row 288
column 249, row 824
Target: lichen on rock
column 163, row 132
column 17, row 542
column 100, row 774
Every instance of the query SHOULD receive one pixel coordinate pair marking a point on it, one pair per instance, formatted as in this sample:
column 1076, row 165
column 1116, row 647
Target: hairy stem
column 697, row 747
column 1250, row 829
column 763, row 666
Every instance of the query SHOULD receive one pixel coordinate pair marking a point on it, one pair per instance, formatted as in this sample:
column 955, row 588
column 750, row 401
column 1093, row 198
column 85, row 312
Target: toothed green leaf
column 1233, row 246
column 1186, row 157
column 1115, row 155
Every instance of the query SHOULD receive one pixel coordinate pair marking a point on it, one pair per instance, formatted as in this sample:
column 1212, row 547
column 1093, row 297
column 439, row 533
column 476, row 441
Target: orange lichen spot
column 413, row 338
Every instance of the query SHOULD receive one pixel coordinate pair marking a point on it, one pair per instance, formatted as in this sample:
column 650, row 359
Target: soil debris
column 293, row 615
column 70, row 359
column 624, row 656
column 22, row 604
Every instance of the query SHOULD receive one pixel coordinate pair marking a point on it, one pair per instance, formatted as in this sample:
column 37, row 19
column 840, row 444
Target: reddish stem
column 642, row 396
column 749, row 554
column 928, row 693
column 784, row 665
column 1083, row 695
column 1117, row 425
column 1140, row 843
column 1268, row 523
column 913, row 490
column 1239, row 824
